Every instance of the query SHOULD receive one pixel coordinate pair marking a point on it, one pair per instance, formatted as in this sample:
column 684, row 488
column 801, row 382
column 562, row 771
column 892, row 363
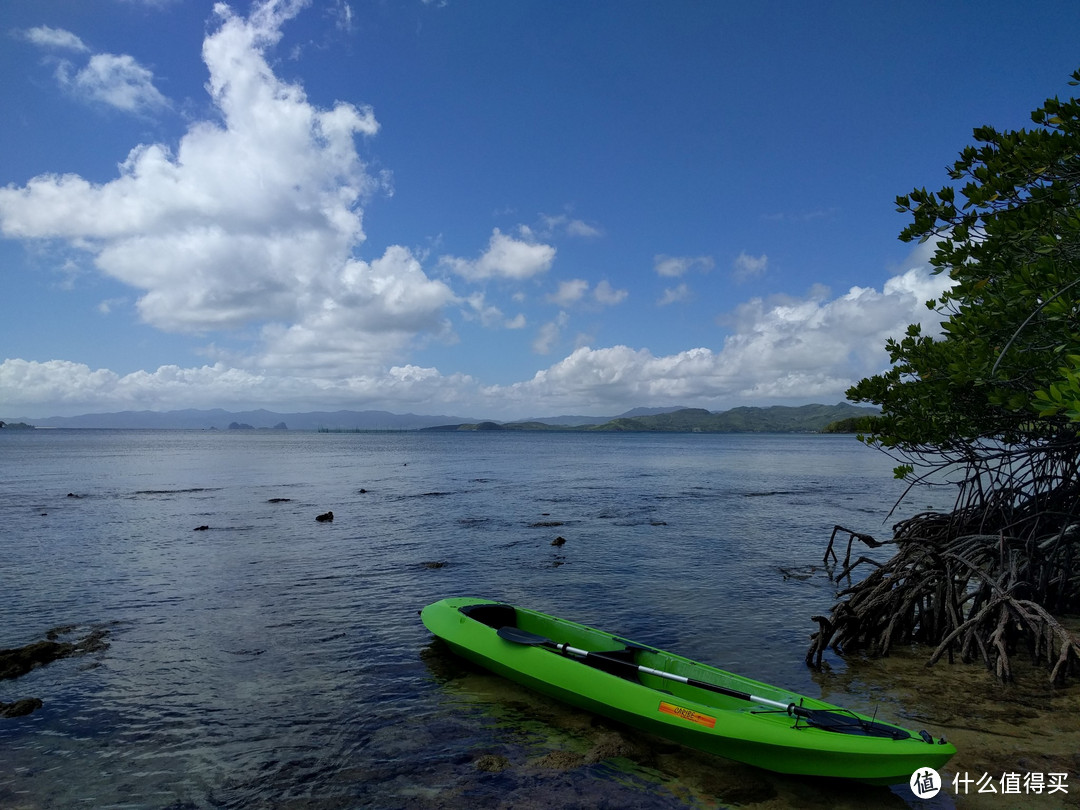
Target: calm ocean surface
column 273, row 661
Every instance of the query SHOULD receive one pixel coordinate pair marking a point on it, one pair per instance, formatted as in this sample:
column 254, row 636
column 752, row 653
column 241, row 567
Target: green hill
column 775, row 419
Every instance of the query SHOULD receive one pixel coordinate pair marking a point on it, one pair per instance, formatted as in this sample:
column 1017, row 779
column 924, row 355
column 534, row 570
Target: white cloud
column 118, row 81
column 370, row 312
column 549, row 334
column 569, row 292
column 675, row 266
column 45, row 37
column 73, row 388
column 673, row 295
column 569, row 226
column 746, row 266
column 801, row 350
column 781, row 350
column 491, row 316
column 576, row 290
column 607, row 295
column 253, row 221
column 505, row 257
column 105, row 307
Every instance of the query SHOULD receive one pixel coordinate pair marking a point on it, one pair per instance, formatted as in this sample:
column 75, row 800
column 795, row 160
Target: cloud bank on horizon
column 242, row 238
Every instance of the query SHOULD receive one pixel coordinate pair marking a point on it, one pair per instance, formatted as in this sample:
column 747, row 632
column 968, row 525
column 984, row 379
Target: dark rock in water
column 559, row 541
column 201, row 529
column 20, row 660
column 325, row 518
column 363, row 491
column 20, row 708
column 73, row 495
column 279, row 500
column 435, row 564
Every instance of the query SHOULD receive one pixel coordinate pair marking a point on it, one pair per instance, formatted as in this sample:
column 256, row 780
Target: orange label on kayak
column 687, row 714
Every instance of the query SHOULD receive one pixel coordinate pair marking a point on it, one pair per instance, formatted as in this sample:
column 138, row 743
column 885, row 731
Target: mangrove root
column 982, row 583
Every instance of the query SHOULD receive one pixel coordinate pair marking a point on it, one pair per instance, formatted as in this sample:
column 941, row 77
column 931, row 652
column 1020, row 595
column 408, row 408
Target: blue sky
column 489, row 209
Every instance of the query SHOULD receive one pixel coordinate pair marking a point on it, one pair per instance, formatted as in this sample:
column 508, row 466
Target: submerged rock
column 560, row 761
column 18, row 661
column 20, row 708
column 492, row 763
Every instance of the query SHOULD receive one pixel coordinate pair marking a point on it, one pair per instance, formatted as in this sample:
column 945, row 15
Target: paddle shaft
column 829, row 719
column 790, row 708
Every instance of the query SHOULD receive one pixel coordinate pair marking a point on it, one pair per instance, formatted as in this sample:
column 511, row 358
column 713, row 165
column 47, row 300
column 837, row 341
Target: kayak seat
column 494, row 616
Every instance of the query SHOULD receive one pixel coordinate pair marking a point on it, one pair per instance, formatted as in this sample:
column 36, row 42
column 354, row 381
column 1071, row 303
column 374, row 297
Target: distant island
column 842, row 417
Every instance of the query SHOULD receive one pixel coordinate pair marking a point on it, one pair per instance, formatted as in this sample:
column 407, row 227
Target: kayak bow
column 679, row 699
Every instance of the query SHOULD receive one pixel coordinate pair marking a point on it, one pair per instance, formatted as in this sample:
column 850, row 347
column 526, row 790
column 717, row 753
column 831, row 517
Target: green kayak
column 673, row 697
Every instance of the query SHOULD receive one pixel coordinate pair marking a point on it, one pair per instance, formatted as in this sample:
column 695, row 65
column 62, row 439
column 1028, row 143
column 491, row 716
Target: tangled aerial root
column 982, row 582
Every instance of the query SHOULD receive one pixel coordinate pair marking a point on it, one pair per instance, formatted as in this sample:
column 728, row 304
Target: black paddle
column 819, row 718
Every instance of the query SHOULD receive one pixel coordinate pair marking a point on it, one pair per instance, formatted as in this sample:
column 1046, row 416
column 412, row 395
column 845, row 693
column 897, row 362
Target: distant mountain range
column 218, row 419
column 775, row 419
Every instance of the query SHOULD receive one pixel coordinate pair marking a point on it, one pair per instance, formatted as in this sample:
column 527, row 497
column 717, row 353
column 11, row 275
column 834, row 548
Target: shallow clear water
column 274, row 661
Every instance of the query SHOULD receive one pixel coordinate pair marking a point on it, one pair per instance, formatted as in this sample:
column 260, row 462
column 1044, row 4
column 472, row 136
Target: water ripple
column 272, row 661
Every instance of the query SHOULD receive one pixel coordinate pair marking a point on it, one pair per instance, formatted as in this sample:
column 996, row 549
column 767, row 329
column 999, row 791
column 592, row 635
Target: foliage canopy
column 1007, row 367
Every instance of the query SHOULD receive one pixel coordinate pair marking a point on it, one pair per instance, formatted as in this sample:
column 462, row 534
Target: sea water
column 260, row 658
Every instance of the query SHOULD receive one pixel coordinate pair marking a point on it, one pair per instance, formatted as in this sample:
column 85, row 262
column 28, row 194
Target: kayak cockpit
column 499, row 616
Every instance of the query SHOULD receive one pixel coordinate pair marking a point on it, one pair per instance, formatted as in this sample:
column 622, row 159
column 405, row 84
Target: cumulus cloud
column 46, row 37
column 577, row 290
column 787, row 349
column 569, row 292
column 118, row 81
column 673, row 295
column 549, row 334
column 73, row 388
column 489, row 315
column 253, row 220
column 505, row 257
column 607, row 295
column 563, row 223
column 779, row 350
column 746, row 266
column 675, row 266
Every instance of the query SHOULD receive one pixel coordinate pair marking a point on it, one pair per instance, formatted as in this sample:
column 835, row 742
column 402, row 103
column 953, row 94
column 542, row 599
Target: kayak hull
column 718, row 724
